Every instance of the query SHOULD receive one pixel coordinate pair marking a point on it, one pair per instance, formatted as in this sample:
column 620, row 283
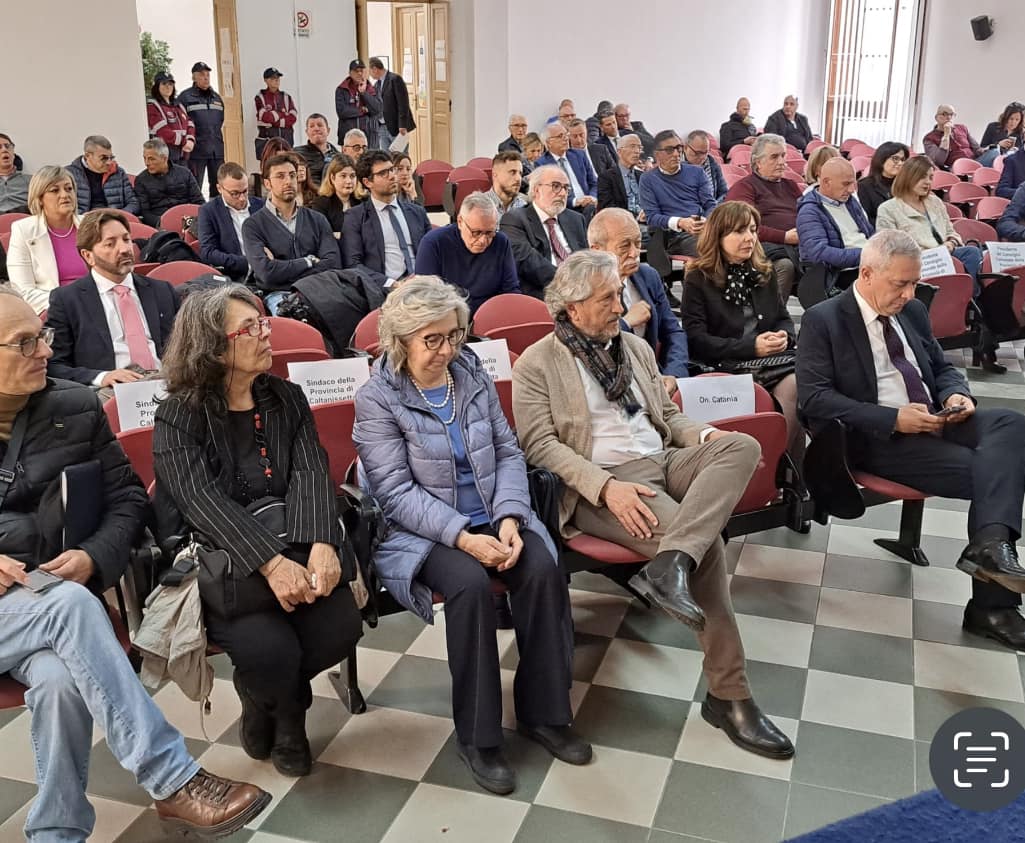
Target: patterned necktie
column 135, row 333
column 917, row 393
column 557, row 247
column 403, row 245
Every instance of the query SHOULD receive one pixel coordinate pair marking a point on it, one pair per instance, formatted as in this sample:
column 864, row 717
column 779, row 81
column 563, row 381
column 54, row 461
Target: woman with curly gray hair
column 231, row 444
column 442, row 461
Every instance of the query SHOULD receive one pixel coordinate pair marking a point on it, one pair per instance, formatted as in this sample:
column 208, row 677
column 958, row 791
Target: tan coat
column 896, row 213
column 554, row 425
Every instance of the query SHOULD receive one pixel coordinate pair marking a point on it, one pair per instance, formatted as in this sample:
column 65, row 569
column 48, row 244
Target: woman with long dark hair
column 877, row 186
column 1005, row 135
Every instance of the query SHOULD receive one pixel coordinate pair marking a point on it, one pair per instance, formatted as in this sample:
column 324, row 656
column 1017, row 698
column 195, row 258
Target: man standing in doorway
column 358, row 104
column 396, row 115
column 206, row 110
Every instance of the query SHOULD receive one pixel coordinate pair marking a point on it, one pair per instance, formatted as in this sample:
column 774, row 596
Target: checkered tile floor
column 857, row 655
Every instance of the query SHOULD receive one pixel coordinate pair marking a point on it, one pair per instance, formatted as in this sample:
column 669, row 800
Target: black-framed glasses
column 433, row 341
column 898, row 158
column 254, row 330
column 237, row 194
column 669, row 150
column 481, row 234
column 387, row 171
column 362, row 147
column 556, row 186
column 29, row 345
column 700, row 153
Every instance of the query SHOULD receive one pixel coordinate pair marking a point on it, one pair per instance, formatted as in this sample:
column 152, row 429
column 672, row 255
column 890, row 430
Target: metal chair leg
column 348, row 688
column 908, row 543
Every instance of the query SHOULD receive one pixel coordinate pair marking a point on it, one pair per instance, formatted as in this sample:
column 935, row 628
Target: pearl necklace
column 67, row 233
column 449, row 396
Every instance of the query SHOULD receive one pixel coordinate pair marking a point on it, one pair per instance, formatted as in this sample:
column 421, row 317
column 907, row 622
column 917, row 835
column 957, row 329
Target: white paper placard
column 1005, row 255
column 494, row 354
column 711, row 399
column 137, row 402
column 937, row 262
column 324, row 381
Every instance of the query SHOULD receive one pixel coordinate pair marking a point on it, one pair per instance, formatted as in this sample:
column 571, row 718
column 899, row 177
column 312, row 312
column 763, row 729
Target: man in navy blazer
column 220, row 222
column 583, row 194
column 867, row 357
column 647, row 312
column 91, row 341
column 381, row 236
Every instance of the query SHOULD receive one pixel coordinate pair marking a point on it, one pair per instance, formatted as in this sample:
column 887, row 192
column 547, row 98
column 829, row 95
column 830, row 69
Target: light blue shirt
column 394, row 263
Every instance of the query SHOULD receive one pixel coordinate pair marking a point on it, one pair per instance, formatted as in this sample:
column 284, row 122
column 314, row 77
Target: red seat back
column 483, row 164
column 964, row 167
column 5, row 241
column 962, row 193
column 9, row 219
column 980, row 232
column 740, row 154
column 334, row 423
column 954, row 212
column 366, row 337
column 461, row 182
column 849, row 144
column 171, row 219
column 291, row 333
column 138, row 447
column 947, row 313
column 509, row 309
column 139, row 230
column 430, row 177
column 861, row 163
column 770, row 429
column 1018, row 299
column 985, row 177
column 991, row 207
column 110, row 411
column 178, row 272
column 281, row 359
column 520, row 337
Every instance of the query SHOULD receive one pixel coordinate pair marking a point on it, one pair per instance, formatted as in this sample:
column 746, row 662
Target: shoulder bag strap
column 13, row 450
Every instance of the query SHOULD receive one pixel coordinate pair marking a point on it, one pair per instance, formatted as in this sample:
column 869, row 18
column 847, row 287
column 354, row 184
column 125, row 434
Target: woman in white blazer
column 42, row 253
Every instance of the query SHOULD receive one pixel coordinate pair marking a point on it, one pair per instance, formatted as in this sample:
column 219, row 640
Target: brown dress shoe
column 209, row 806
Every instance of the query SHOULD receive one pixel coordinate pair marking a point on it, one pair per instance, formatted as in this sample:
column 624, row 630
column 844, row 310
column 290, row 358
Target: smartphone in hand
column 39, row 581
column 949, row 411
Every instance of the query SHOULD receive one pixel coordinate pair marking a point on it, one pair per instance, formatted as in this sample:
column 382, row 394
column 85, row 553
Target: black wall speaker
column 982, row 27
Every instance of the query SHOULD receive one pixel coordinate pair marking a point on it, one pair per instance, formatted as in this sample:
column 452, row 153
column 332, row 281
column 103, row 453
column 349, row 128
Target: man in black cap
column 206, row 110
column 358, row 104
column 275, row 112
column 396, row 116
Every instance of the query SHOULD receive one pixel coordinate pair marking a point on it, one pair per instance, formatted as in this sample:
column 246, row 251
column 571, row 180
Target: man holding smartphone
column 868, row 358
column 56, row 638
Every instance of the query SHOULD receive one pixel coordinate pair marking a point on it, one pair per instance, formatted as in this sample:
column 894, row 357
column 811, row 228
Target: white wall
column 677, row 67
column 188, row 28
column 312, row 66
column 379, row 36
column 45, row 108
column 978, row 78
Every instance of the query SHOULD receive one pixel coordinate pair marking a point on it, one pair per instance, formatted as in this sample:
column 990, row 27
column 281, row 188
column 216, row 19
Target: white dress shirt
column 394, row 262
column 567, row 168
column 108, row 298
column 544, row 215
column 237, row 218
column 891, row 389
column 615, row 436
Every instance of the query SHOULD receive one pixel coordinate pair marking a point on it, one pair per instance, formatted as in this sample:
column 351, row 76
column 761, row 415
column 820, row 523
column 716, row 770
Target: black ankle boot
column 663, row 582
column 255, row 726
column 291, row 751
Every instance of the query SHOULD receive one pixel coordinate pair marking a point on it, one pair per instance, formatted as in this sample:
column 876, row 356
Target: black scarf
column 740, row 280
column 610, row 365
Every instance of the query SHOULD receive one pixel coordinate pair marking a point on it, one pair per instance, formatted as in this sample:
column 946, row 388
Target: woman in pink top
column 42, row 253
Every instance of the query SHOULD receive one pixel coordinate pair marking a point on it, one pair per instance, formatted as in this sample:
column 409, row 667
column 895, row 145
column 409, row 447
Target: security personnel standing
column 275, row 112
column 206, row 110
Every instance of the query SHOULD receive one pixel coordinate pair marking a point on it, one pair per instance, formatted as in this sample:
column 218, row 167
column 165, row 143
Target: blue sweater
column 443, row 253
column 1011, row 225
column 683, row 194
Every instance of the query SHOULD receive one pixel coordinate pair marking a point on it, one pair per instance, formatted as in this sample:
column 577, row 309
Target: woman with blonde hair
column 42, row 253
column 337, row 192
column 815, row 161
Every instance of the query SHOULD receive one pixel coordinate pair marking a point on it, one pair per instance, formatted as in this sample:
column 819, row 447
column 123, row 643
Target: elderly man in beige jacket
column 590, row 406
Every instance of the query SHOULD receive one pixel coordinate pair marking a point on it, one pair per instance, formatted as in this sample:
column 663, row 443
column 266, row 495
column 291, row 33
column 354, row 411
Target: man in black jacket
column 206, row 109
column 794, row 127
column 868, row 358
column 740, row 128
column 162, row 185
column 396, row 115
column 59, row 642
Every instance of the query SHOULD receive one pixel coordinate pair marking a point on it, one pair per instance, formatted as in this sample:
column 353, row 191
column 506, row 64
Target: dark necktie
column 403, row 245
column 553, row 237
column 917, row 393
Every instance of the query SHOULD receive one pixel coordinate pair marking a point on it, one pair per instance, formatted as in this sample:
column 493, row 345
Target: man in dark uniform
column 206, row 109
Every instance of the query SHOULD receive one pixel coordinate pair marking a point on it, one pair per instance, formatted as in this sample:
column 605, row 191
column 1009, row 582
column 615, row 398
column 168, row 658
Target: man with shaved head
column 832, row 229
column 740, row 128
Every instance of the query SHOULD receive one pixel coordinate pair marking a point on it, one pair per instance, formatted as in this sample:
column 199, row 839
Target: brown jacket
column 554, row 426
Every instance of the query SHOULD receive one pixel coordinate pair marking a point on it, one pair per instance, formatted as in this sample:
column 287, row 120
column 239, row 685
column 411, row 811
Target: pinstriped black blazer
column 194, row 469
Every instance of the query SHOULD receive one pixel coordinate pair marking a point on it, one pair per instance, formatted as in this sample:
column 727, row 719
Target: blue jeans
column 61, row 645
column 988, row 157
column 971, row 257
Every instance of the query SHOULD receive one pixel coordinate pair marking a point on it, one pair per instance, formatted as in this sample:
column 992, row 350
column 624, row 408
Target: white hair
column 575, row 278
column 760, row 147
column 478, row 201
column 887, row 244
column 540, row 173
column 416, row 302
column 354, row 134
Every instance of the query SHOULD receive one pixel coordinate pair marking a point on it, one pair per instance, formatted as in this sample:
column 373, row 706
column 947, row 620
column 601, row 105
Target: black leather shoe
column 1005, row 626
column 503, row 611
column 994, row 561
column 291, row 754
column 746, row 725
column 489, row 768
column 560, row 741
column 255, row 726
column 663, row 581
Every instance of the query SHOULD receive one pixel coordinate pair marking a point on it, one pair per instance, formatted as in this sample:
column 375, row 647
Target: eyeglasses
column 28, row 346
column 434, row 341
column 106, row 159
column 517, row 125
column 476, row 234
column 362, row 147
column 700, row 153
column 896, row 159
column 946, row 114
column 556, row 186
column 669, row 150
column 9, row 146
column 254, row 330
column 237, row 194
column 387, row 171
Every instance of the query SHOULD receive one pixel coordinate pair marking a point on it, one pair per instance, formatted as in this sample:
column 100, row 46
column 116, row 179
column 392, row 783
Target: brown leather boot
column 209, row 806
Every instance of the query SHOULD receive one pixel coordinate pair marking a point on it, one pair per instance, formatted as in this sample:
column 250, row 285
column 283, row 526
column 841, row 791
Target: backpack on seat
column 164, row 247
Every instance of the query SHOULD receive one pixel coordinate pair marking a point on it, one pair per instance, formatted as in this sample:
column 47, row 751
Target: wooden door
column 440, row 84
column 229, row 80
column 410, row 24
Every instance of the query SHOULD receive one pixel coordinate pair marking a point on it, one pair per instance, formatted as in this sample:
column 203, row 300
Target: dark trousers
column 681, row 243
column 981, row 460
column 544, row 638
column 210, row 165
column 277, row 653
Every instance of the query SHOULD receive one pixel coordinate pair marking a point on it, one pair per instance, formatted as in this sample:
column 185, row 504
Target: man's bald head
column 837, row 179
column 743, row 106
column 20, row 375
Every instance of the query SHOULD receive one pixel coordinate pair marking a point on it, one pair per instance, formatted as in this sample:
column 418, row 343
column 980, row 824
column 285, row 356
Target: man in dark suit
column 868, row 358
column 608, row 133
column 597, row 154
column 544, row 233
column 517, row 132
column 620, row 186
column 110, row 326
column 381, row 236
column 220, row 222
column 583, row 194
column 647, row 312
column 396, row 115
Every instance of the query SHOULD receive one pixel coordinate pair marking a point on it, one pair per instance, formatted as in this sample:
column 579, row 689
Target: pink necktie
column 135, row 334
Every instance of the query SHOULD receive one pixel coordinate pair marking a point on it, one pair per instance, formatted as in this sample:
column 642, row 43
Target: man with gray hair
column 517, row 132
column 775, row 198
column 354, row 144
column 544, row 233
column 868, row 359
column 162, row 185
column 471, row 253
column 695, row 151
column 589, row 406
column 100, row 181
column 793, row 127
